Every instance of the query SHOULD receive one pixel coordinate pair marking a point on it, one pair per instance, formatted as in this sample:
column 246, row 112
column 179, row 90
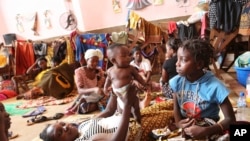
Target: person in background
column 33, row 72
column 61, row 131
column 198, row 94
column 39, row 66
column 5, row 123
column 142, row 64
column 89, row 80
column 169, row 68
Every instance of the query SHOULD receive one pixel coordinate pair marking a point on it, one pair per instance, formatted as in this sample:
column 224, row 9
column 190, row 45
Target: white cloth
column 93, row 52
column 104, row 128
column 144, row 66
column 92, row 97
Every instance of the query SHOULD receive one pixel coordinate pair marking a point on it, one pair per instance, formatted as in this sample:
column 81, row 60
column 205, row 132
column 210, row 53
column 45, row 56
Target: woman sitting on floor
column 89, row 80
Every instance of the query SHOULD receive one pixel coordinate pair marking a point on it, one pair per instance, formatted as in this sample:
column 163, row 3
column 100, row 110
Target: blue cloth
column 201, row 98
column 81, row 47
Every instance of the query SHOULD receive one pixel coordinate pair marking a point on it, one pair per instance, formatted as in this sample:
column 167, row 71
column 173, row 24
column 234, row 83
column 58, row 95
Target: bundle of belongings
column 57, row 82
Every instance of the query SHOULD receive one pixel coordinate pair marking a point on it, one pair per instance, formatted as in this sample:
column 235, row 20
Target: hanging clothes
column 187, row 32
column 25, row 56
column 221, row 13
column 60, row 48
column 91, row 41
column 40, row 49
column 244, row 28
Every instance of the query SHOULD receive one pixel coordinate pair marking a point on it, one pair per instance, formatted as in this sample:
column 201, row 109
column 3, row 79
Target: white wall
column 90, row 14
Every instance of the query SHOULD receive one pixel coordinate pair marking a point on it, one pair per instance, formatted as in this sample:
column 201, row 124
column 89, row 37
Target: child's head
column 42, row 62
column 119, row 55
column 172, row 46
column 136, row 53
column 92, row 57
column 193, row 56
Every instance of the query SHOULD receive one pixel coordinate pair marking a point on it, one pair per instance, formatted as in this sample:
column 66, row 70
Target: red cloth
column 25, row 56
column 171, row 27
column 203, row 25
column 4, row 94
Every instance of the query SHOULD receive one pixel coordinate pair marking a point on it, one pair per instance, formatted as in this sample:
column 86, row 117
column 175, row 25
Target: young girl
column 168, row 68
column 39, row 66
column 198, row 94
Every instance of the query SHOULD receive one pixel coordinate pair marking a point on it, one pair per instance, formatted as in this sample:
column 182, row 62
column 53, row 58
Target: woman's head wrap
column 93, row 52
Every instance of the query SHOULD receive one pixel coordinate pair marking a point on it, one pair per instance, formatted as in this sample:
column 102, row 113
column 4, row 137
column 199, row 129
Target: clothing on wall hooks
column 19, row 23
column 47, row 20
column 137, row 4
column 116, row 6
column 35, row 25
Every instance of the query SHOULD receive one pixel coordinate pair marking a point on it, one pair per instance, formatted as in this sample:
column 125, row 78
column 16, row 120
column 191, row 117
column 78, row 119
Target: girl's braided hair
column 201, row 50
column 174, row 43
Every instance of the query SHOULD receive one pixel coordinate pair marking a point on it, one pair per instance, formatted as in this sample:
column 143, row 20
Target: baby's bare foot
column 146, row 101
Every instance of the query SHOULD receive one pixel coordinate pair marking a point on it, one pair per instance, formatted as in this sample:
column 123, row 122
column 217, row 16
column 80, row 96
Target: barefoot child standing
column 121, row 75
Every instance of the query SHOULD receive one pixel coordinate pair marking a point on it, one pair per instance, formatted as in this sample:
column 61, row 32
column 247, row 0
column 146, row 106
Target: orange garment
column 25, row 56
column 149, row 30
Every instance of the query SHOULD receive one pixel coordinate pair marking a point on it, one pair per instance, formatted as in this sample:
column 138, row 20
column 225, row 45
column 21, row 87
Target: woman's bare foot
column 146, row 101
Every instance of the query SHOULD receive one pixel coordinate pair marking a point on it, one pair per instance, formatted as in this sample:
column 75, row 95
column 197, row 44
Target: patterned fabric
column 212, row 14
column 104, row 128
column 46, row 101
column 156, row 116
column 91, row 41
column 167, row 91
column 220, row 11
column 245, row 20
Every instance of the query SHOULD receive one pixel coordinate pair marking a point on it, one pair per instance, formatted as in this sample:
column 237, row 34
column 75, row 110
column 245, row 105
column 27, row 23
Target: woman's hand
column 196, row 132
